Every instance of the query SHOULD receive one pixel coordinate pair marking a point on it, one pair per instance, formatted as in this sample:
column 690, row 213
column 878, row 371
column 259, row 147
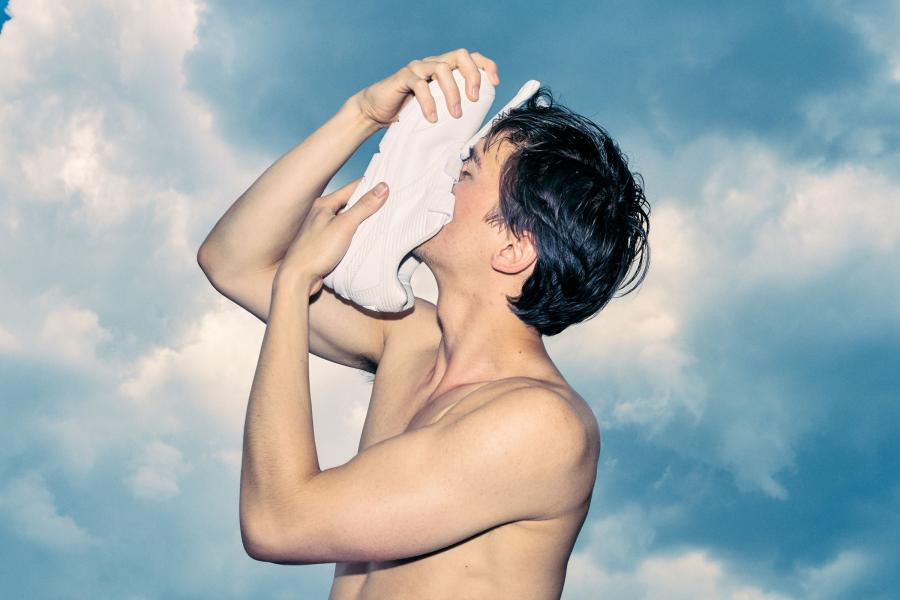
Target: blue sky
column 747, row 393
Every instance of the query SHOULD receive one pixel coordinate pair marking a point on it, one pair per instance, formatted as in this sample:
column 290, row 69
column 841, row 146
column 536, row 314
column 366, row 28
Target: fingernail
column 474, row 92
column 381, row 189
column 433, row 115
column 457, row 110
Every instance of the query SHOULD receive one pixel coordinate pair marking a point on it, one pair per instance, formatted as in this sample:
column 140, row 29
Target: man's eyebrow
column 475, row 158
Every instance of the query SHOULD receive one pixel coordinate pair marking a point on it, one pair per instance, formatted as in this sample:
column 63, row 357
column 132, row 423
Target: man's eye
column 463, row 172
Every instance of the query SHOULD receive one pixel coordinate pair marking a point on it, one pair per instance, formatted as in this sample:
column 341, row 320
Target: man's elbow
column 264, row 543
column 258, row 541
column 212, row 267
column 205, row 259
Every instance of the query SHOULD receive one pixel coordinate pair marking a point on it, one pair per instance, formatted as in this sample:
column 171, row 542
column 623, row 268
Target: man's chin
column 421, row 251
column 419, row 254
column 431, row 249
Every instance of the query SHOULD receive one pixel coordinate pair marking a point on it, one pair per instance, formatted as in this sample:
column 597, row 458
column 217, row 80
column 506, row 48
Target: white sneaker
column 420, row 161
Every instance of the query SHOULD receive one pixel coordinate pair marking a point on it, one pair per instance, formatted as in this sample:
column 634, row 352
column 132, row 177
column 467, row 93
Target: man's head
column 551, row 218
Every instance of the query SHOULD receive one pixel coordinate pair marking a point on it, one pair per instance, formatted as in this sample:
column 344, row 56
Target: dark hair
column 568, row 184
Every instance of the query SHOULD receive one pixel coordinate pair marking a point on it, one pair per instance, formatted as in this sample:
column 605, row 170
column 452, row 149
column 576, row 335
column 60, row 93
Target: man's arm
column 339, row 330
column 517, row 457
column 243, row 251
column 521, row 456
column 258, row 227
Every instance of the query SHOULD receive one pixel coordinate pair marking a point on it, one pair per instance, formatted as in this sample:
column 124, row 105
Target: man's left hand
column 324, row 236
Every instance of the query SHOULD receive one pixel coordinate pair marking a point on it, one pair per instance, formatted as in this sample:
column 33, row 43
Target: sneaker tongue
column 525, row 92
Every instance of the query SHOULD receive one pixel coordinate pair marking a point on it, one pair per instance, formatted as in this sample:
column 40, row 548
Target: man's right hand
column 381, row 101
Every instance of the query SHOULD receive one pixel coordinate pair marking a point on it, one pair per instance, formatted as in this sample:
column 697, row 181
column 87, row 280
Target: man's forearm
column 279, row 451
column 257, row 228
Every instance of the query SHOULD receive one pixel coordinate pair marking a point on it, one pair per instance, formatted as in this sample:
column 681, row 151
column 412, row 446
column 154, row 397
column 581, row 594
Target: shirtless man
column 477, row 460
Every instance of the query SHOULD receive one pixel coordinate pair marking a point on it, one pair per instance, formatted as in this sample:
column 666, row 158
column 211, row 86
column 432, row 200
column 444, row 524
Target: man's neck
column 482, row 340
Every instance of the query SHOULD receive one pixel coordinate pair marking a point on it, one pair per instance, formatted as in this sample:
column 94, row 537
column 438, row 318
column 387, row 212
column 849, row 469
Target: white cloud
column 618, row 541
column 107, row 160
column 209, row 373
column 585, row 580
column 38, row 26
column 619, row 561
column 96, row 116
column 108, row 167
column 635, row 342
column 157, row 471
column 754, row 453
column 106, row 195
column 8, row 341
column 764, row 220
column 73, row 334
column 876, row 23
column 834, row 579
column 689, row 575
column 828, row 218
column 100, row 134
column 230, row 458
column 29, row 510
column 102, row 127
column 52, row 326
column 760, row 221
column 860, row 118
column 210, row 368
column 694, row 575
column 76, row 446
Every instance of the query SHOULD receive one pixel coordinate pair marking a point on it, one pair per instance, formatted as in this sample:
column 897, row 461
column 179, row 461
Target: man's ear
column 516, row 255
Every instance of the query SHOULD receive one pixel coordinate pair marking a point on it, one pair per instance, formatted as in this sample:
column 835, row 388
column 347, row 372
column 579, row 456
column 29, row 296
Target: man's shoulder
column 531, row 390
column 555, row 404
column 541, row 429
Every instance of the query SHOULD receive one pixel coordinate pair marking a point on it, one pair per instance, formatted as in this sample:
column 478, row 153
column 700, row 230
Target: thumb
column 380, row 191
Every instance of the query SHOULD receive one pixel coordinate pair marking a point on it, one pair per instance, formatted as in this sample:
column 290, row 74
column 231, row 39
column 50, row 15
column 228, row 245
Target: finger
column 417, row 82
column 488, row 65
column 461, row 59
column 339, row 197
column 470, row 71
column 367, row 205
column 443, row 73
column 344, row 191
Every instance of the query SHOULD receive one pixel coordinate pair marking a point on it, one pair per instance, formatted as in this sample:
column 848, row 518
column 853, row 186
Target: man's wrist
column 293, row 282
column 362, row 121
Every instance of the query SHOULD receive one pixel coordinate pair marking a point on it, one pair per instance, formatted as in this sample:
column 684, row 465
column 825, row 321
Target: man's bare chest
column 402, row 399
column 404, row 396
